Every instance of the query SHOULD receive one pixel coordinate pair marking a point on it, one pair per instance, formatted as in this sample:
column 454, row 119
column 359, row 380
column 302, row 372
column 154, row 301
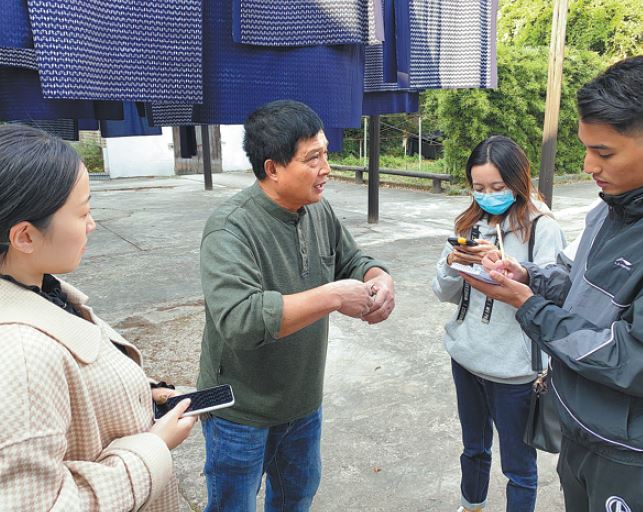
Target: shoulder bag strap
column 536, row 360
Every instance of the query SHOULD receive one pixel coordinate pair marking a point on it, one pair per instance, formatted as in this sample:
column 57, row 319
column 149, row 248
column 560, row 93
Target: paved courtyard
column 391, row 439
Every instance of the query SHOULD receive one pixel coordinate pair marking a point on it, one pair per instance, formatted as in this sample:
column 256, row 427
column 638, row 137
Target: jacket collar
column 23, row 306
column 629, row 205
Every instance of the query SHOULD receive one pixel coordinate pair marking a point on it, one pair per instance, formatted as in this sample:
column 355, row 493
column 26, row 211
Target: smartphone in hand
column 459, row 240
column 201, row 401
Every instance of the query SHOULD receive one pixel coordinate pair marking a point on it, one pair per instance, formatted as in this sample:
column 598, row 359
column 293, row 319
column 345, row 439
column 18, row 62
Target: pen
column 502, row 247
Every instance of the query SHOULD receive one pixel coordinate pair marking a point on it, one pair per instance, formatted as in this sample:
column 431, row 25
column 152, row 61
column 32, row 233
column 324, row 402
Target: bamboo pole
column 552, row 103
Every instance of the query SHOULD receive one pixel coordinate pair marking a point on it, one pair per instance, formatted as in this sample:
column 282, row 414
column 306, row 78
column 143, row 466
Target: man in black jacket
column 588, row 314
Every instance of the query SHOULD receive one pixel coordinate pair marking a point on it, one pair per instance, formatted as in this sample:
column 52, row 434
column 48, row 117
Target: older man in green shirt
column 275, row 262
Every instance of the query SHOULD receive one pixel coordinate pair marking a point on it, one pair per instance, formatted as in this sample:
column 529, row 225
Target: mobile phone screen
column 202, row 401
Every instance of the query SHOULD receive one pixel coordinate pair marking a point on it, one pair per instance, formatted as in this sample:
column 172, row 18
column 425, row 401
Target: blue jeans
column 238, row 455
column 481, row 404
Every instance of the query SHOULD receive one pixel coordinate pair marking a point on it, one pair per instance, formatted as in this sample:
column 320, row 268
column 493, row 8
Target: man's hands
column 384, row 294
column 372, row 301
column 355, row 298
column 509, row 275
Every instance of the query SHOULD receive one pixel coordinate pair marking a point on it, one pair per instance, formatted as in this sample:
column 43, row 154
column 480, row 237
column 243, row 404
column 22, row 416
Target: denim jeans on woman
column 238, row 455
column 481, row 404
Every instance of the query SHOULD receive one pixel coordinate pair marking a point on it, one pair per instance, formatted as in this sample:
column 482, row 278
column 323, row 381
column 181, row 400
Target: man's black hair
column 273, row 131
column 615, row 97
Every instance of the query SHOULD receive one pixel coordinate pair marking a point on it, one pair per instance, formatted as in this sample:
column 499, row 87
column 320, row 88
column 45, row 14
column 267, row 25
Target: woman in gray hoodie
column 490, row 355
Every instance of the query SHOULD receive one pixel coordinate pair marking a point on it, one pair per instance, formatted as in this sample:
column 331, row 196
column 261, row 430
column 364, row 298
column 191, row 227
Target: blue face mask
column 496, row 203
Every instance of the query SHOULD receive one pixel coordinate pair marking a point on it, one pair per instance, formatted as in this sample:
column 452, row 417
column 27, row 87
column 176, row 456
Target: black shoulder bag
column 543, row 423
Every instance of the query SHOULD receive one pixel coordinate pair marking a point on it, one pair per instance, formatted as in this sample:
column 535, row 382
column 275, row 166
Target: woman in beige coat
column 77, row 431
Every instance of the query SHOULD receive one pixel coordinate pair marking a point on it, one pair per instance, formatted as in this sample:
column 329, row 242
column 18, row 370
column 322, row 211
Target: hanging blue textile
column 335, row 138
column 15, row 30
column 66, row 129
column 445, row 44
column 134, row 50
column 238, row 79
column 382, row 97
column 187, row 141
column 132, row 125
column 389, row 45
column 303, row 23
column 19, row 58
column 88, row 125
column 390, row 102
column 21, row 98
column 169, row 115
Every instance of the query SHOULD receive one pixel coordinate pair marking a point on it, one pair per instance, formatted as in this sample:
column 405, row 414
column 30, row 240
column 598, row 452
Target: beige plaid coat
column 75, row 413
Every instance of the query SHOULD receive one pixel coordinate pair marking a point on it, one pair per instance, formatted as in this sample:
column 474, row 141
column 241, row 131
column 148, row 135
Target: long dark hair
column 37, row 173
column 513, row 165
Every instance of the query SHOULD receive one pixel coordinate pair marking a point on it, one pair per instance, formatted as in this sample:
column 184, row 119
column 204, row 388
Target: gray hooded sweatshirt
column 498, row 351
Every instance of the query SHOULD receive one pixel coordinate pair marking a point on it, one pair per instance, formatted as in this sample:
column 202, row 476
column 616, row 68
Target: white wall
column 232, row 154
column 153, row 155
column 140, row 156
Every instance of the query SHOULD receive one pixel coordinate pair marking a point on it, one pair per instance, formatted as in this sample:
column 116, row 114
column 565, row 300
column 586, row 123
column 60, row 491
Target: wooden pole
column 552, row 103
column 215, row 144
column 207, row 163
column 374, row 170
column 419, row 143
column 365, row 139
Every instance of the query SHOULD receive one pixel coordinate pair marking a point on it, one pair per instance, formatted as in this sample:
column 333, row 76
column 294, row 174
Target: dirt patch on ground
column 170, row 339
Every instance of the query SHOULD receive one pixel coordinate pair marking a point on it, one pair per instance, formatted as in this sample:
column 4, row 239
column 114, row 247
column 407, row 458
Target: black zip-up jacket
column 588, row 315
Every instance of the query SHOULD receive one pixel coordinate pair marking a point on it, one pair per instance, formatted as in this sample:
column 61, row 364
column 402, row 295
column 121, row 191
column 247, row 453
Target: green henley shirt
column 254, row 251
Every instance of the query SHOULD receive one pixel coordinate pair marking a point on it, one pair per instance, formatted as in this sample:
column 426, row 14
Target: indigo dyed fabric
column 21, row 98
column 66, row 129
column 390, row 102
column 303, row 22
column 238, row 78
column 19, row 58
column 133, row 50
column 132, row 124
column 445, row 44
column 15, row 29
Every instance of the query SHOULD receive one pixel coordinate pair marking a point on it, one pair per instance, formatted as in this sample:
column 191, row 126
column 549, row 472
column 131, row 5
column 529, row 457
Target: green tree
column 515, row 108
column 611, row 28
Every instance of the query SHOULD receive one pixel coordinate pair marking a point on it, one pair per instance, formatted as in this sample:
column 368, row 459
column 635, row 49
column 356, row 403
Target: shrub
column 515, row 109
column 91, row 154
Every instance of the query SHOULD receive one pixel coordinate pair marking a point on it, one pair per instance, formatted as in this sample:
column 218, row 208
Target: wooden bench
column 437, row 179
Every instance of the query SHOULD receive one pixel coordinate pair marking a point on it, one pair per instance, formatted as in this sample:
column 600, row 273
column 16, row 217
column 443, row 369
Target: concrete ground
column 391, row 439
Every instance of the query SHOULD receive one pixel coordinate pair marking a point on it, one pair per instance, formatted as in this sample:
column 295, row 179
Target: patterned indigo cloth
column 15, row 29
column 445, row 44
column 21, row 98
column 66, row 129
column 132, row 125
column 19, row 58
column 129, row 50
column 238, row 79
column 303, row 22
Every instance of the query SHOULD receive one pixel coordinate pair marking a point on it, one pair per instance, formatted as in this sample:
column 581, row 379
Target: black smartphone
column 459, row 240
column 202, row 401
